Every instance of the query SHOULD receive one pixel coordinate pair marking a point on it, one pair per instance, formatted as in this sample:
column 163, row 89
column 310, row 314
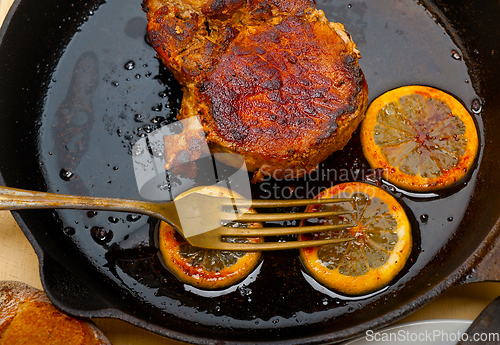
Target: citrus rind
column 450, row 138
column 376, row 274
column 205, row 268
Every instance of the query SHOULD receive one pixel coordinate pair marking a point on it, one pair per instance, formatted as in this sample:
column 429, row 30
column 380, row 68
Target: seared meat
column 271, row 80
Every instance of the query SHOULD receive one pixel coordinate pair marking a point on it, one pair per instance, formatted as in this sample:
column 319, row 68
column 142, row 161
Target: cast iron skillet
column 72, row 106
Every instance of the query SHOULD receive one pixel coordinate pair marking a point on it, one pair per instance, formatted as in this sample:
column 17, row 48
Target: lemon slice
column 380, row 247
column 423, row 138
column 206, row 268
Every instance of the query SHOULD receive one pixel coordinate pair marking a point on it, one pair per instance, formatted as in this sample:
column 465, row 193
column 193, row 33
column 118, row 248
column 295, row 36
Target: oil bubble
column 157, row 119
column 456, row 55
column 476, row 106
column 101, row 235
column 130, row 65
column 158, row 107
column 66, row 175
column 133, row 217
column 424, row 218
column 69, row 231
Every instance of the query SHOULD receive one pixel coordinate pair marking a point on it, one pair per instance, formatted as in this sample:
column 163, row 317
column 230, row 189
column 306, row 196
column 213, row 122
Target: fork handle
column 19, row 199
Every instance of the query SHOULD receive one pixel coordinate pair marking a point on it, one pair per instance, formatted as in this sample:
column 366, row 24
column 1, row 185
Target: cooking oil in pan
column 109, row 91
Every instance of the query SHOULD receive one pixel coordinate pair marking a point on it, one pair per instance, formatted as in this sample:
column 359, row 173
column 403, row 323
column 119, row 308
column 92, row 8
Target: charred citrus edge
column 374, row 279
column 197, row 276
column 393, row 174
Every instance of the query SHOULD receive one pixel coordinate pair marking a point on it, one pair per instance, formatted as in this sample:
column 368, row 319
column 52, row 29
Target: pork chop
column 270, row 80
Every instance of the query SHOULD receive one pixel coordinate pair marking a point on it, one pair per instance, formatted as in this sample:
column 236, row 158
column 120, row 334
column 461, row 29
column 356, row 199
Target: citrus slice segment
column 381, row 244
column 206, row 268
column 423, row 138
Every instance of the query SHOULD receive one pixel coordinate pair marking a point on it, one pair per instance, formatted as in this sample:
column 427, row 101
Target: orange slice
column 423, row 138
column 206, row 268
column 380, row 246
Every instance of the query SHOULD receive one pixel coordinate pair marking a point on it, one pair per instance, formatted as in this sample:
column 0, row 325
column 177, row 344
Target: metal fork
column 203, row 220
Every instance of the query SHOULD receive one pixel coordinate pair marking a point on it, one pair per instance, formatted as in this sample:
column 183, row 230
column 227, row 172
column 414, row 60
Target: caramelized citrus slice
column 380, row 246
column 206, row 268
column 423, row 138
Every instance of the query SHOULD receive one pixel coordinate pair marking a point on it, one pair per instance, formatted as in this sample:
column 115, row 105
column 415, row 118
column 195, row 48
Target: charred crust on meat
column 271, row 80
column 221, row 8
column 229, row 34
column 201, row 86
column 296, row 7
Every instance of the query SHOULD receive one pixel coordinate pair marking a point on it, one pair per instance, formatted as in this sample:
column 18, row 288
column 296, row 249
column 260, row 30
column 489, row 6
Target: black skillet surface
column 79, row 85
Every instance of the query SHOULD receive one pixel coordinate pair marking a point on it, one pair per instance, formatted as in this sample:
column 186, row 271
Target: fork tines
column 282, row 203
column 280, row 217
column 279, row 231
column 279, row 245
column 232, row 215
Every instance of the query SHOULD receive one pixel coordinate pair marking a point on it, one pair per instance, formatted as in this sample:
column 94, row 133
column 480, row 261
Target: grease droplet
column 113, row 220
column 101, row 235
column 69, row 231
column 66, row 175
column 157, row 119
column 158, row 107
column 133, row 217
column 424, row 218
column 138, row 118
column 129, row 65
column 476, row 106
column 456, row 55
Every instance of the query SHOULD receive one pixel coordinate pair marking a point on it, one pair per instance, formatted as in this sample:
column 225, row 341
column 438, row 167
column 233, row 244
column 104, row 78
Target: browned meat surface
column 271, row 80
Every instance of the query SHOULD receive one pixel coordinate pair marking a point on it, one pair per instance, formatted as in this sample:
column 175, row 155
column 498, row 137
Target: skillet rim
column 460, row 275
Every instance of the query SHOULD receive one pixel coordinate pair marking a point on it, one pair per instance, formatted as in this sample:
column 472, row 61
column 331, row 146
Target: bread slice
column 28, row 317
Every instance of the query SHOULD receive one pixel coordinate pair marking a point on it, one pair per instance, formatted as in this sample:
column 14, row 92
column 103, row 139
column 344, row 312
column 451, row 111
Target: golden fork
column 198, row 217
